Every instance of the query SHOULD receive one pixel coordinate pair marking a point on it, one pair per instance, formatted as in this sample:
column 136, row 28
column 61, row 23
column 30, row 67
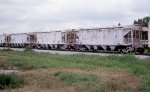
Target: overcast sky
column 17, row 16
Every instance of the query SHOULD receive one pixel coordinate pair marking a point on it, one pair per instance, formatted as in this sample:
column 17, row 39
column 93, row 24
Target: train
column 120, row 39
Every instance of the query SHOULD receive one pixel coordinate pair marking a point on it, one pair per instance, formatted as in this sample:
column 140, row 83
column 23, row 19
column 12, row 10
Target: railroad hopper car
column 3, row 40
column 50, row 40
column 123, row 39
column 21, row 40
column 149, row 35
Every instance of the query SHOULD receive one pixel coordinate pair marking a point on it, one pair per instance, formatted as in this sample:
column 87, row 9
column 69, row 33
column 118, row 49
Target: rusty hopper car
column 21, row 40
column 50, row 40
column 124, row 39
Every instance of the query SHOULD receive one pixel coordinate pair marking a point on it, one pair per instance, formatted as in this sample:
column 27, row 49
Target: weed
column 10, row 81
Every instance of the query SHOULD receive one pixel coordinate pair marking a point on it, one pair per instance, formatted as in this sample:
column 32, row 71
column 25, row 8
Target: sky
column 19, row 16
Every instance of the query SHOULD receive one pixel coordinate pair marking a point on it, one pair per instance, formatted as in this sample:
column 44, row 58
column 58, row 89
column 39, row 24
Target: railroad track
column 105, row 52
column 68, row 52
column 142, row 54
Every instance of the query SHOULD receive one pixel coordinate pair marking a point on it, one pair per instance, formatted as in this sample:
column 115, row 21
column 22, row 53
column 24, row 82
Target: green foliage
column 10, row 81
column 147, row 51
column 135, row 22
column 143, row 22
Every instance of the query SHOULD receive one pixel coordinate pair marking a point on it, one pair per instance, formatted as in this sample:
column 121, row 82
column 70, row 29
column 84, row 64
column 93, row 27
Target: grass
column 89, row 82
column 71, row 79
column 147, row 51
column 10, row 81
column 29, row 60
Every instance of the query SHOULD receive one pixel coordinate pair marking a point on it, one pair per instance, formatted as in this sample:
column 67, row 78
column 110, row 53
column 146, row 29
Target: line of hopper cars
column 121, row 39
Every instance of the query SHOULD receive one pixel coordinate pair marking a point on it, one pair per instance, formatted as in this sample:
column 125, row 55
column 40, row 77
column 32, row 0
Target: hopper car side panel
column 104, row 39
column 101, row 37
column 49, row 40
column 2, row 40
column 19, row 40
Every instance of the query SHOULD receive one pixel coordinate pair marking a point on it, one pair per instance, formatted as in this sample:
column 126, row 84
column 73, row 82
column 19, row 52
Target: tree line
column 143, row 21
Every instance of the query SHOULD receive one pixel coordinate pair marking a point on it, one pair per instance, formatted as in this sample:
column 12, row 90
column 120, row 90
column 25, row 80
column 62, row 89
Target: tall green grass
column 71, row 79
column 147, row 51
column 90, row 82
column 31, row 60
column 10, row 81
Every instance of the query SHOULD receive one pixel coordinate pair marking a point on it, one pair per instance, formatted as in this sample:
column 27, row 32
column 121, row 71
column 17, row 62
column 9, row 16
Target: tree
column 144, row 22
column 135, row 22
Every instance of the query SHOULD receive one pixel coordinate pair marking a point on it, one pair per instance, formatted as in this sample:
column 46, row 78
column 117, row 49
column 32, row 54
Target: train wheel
column 125, row 51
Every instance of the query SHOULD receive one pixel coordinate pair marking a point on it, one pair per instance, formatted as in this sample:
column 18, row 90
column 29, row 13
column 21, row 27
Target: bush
column 10, row 81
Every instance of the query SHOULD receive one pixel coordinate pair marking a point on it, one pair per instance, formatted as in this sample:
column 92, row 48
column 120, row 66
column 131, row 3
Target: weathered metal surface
column 19, row 38
column 2, row 39
column 149, row 35
column 107, row 36
column 49, row 37
column 91, row 38
column 144, row 28
column 71, row 37
column 32, row 38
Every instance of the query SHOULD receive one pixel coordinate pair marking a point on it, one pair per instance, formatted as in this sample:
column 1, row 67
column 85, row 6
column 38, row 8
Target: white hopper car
column 21, row 40
column 94, row 39
column 2, row 40
column 50, row 40
column 122, row 39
